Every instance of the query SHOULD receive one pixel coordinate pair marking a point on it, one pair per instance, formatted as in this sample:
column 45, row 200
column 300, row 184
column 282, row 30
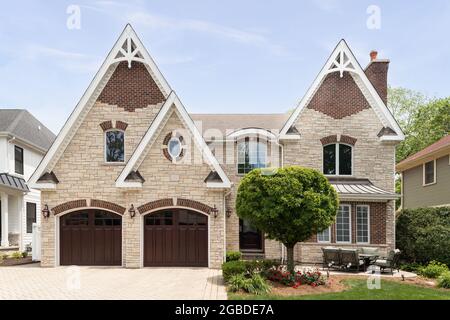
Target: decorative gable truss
column 172, row 104
column 128, row 48
column 342, row 60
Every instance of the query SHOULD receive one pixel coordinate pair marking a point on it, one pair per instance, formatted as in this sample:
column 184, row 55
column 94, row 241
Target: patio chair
column 389, row 262
column 331, row 258
column 350, row 259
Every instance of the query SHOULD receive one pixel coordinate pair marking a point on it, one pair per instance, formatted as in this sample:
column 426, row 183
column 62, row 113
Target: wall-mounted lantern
column 45, row 211
column 132, row 211
column 229, row 212
column 214, row 211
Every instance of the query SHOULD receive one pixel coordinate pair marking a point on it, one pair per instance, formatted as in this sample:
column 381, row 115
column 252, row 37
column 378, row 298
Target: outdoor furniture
column 331, row 258
column 389, row 262
column 350, row 259
column 369, row 255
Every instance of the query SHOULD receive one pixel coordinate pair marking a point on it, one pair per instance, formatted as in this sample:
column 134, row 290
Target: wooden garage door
column 91, row 237
column 176, row 237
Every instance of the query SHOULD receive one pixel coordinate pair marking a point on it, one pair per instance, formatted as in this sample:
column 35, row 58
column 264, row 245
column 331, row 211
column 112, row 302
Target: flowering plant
column 313, row 278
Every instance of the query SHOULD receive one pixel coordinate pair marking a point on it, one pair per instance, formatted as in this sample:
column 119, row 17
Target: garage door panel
column 175, row 238
column 91, row 237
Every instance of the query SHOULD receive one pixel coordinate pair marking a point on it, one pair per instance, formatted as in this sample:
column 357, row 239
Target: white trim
column 381, row 110
column 329, row 236
column 86, row 102
column 434, row 173
column 142, row 222
column 337, row 160
column 349, row 221
column 368, row 223
column 172, row 101
column 124, row 148
column 252, row 132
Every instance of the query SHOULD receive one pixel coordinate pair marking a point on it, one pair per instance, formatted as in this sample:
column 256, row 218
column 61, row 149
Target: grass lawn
column 357, row 290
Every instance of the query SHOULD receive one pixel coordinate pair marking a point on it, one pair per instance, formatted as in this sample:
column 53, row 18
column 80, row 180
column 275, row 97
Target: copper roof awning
column 360, row 189
column 9, row 181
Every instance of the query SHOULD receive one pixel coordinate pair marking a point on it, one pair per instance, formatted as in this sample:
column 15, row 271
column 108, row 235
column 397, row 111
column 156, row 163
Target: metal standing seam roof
column 361, row 188
column 9, row 181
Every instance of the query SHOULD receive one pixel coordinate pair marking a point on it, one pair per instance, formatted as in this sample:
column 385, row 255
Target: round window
column 174, row 147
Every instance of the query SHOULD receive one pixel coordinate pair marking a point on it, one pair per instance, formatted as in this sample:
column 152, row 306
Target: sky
column 234, row 56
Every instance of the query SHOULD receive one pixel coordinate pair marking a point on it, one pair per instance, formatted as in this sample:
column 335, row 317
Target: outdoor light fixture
column 45, row 211
column 132, row 211
column 214, row 210
column 228, row 212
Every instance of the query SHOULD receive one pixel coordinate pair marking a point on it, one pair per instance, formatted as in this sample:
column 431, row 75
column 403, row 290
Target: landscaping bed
column 15, row 259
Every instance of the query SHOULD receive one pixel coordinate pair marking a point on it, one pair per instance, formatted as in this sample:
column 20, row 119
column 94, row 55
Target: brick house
column 134, row 180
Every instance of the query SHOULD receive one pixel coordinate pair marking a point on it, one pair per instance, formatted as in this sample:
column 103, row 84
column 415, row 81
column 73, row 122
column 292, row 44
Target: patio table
column 368, row 258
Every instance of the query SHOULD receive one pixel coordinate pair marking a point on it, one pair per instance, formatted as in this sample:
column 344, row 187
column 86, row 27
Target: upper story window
column 337, row 159
column 174, row 147
column 114, row 146
column 429, row 172
column 252, row 154
column 18, row 160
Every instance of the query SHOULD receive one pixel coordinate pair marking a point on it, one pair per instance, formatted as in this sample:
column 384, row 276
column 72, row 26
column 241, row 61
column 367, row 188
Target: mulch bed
column 16, row 262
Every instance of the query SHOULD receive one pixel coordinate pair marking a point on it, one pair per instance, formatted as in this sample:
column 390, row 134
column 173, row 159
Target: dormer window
column 337, row 159
column 252, row 154
column 114, row 146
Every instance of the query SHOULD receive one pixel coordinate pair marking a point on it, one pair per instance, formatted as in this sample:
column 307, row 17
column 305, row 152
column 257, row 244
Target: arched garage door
column 91, row 237
column 176, row 237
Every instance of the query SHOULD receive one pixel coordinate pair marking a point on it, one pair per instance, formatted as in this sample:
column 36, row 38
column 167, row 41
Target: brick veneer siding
column 131, row 88
column 348, row 140
column 69, row 205
column 197, row 205
column 108, row 206
column 329, row 139
column 106, row 125
column 152, row 205
column 338, row 97
column 377, row 72
column 88, row 176
column 121, row 125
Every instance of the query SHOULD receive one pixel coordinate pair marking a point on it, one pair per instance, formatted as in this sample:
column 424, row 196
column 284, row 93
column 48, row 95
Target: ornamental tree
column 289, row 205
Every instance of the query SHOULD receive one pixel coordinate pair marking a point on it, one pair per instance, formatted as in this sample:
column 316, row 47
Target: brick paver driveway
column 34, row 282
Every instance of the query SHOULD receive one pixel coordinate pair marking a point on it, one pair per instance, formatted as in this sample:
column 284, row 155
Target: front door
column 250, row 238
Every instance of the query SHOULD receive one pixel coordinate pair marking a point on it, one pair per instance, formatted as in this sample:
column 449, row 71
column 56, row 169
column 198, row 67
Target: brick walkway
column 34, row 282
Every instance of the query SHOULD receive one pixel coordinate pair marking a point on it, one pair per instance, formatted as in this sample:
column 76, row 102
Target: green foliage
column 424, row 234
column 16, row 255
column 233, row 256
column 444, row 280
column 433, row 270
column 5, row 256
column 423, row 120
column 247, row 267
column 411, row 267
column 24, row 254
column 289, row 204
column 254, row 284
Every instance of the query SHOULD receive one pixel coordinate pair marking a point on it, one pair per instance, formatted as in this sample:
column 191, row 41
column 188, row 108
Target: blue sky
column 234, row 56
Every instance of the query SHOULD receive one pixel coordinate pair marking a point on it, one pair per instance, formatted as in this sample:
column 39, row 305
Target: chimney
column 377, row 71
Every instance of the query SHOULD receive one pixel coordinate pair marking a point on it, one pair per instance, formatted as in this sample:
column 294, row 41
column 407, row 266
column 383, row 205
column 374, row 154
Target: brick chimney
column 377, row 71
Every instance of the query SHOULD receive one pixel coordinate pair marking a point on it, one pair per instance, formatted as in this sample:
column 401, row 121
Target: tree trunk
column 290, row 258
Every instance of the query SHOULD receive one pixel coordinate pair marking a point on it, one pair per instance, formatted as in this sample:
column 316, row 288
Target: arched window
column 337, row 159
column 252, row 154
column 114, row 146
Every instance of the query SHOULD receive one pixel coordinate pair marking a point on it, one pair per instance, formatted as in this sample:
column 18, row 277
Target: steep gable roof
column 24, row 126
column 343, row 61
column 128, row 48
column 139, row 154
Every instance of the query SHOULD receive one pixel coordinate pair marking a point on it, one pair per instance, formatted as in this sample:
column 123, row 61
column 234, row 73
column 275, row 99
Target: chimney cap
column 373, row 55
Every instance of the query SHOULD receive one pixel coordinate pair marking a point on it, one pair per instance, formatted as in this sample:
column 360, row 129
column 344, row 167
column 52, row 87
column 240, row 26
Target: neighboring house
column 134, row 180
column 426, row 176
column 23, row 143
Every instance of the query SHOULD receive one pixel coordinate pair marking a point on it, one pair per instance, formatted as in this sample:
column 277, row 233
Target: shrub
column 233, row 256
column 444, row 280
column 5, row 256
column 424, row 234
column 411, row 267
column 309, row 277
column 254, row 284
column 24, row 254
column 16, row 255
column 233, row 268
column 433, row 270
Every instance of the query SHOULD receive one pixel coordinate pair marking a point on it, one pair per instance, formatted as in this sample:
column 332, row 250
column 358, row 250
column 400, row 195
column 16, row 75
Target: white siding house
column 23, row 143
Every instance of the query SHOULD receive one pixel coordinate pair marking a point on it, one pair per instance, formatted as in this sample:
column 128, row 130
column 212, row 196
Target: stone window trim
column 84, row 203
column 342, row 139
column 165, row 146
column 169, row 202
column 108, row 125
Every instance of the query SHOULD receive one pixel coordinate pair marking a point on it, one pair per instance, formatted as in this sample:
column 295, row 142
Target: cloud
column 71, row 61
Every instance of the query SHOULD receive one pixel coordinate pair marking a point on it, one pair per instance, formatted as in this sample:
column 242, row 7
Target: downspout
column 225, row 195
column 283, row 249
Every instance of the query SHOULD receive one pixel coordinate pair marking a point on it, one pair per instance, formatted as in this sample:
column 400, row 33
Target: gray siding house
column 426, row 176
